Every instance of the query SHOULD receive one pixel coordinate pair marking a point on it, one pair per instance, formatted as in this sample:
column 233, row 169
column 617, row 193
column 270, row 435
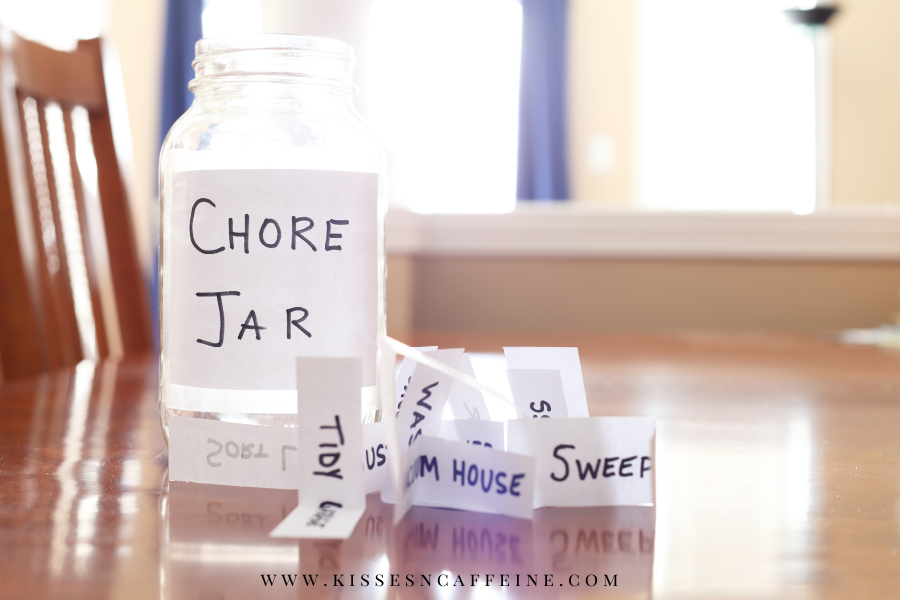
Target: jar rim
column 273, row 41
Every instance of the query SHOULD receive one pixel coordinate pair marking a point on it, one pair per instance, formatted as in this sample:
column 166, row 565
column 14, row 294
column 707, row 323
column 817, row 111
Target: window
column 444, row 98
column 230, row 17
column 71, row 20
column 726, row 107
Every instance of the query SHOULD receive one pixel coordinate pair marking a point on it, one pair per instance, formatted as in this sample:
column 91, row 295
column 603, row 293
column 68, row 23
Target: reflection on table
column 218, row 535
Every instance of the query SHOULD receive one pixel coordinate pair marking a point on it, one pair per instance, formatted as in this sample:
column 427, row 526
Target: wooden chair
column 71, row 282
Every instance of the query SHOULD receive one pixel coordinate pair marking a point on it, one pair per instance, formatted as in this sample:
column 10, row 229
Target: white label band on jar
column 267, row 265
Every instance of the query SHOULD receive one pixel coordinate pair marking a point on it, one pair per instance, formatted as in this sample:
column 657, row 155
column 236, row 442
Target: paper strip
column 426, row 394
column 215, row 452
column 565, row 360
column 538, row 393
column 471, row 431
column 465, row 401
column 391, row 487
column 599, row 461
column 404, row 373
column 330, row 431
column 376, row 453
column 270, row 402
column 329, row 520
column 450, row 474
column 331, row 481
column 401, row 348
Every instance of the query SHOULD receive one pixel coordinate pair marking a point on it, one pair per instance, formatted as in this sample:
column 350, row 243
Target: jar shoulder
column 270, row 131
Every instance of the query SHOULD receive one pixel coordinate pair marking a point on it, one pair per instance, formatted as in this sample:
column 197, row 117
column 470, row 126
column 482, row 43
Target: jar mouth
column 270, row 56
column 272, row 41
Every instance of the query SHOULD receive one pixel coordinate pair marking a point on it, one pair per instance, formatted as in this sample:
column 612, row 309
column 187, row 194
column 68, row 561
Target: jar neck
column 271, row 95
column 272, row 70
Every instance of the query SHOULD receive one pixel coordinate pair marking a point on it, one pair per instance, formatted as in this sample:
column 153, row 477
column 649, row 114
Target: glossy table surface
column 778, row 476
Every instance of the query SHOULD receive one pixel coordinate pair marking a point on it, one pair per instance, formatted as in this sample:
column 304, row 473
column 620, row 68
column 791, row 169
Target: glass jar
column 272, row 202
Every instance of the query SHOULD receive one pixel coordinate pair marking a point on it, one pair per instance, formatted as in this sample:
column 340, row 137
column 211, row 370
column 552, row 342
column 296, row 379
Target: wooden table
column 778, row 476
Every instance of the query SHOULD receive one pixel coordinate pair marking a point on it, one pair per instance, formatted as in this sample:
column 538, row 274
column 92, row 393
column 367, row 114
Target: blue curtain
column 184, row 26
column 542, row 168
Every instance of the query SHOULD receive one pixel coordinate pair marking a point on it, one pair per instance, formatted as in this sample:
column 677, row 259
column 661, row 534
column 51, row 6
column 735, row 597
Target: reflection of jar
column 271, row 229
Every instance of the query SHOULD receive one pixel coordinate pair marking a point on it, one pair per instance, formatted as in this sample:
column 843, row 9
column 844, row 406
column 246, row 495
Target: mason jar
column 272, row 202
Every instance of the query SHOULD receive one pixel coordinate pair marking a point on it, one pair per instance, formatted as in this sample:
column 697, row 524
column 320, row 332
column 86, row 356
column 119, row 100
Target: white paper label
column 424, row 399
column 471, row 431
column 445, row 473
column 465, row 401
column 266, row 265
column 599, row 461
column 376, row 453
column 207, row 451
column 538, row 393
column 563, row 359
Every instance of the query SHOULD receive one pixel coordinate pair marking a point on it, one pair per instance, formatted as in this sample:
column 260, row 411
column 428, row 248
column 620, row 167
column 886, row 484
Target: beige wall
column 601, row 98
column 138, row 31
column 866, row 37
column 623, row 294
column 866, row 120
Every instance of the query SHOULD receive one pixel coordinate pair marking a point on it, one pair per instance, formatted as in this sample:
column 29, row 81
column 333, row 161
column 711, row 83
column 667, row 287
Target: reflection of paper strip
column 450, row 474
column 375, row 456
column 599, row 461
column 465, row 401
column 538, row 393
column 207, row 451
column 470, row 431
column 327, row 521
column 565, row 360
column 424, row 398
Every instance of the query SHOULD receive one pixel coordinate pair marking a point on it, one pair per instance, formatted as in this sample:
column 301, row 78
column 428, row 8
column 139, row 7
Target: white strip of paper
column 565, row 360
column 425, row 397
column 332, row 482
column 538, row 393
column 329, row 520
column 404, row 373
column 599, row 461
column 375, row 450
column 450, row 474
column 465, row 401
column 389, row 418
column 489, row 434
column 219, row 453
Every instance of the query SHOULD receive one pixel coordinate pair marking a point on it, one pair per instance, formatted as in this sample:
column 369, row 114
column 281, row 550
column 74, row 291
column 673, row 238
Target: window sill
column 576, row 230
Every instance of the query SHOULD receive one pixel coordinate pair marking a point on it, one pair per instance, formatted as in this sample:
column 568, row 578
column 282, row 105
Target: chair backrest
column 71, row 282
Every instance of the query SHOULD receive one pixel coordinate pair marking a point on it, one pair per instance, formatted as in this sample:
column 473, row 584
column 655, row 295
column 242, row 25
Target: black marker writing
column 255, row 327
column 333, row 236
column 327, row 460
column 191, row 227
column 218, row 296
column 296, row 322
column 233, row 234
column 556, row 455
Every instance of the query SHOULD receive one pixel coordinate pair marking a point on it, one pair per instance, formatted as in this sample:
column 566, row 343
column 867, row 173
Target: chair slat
column 34, row 261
